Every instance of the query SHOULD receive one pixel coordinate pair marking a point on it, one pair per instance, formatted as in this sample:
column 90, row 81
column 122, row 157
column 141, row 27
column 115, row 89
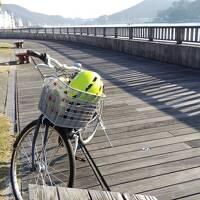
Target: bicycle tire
column 17, row 180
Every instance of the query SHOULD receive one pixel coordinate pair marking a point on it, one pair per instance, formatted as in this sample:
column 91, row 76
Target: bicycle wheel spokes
column 52, row 155
column 87, row 133
column 53, row 160
column 23, row 163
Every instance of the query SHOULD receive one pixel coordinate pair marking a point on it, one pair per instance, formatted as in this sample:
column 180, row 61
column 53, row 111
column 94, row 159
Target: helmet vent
column 95, row 78
column 89, row 86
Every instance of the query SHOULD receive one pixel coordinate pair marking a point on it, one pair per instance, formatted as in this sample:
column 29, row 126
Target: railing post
column 53, row 32
column 130, row 33
column 37, row 31
column 74, row 31
column 151, row 33
column 87, row 31
column 104, row 32
column 81, row 31
column 182, row 34
column 95, row 31
column 179, row 35
column 116, row 32
column 60, row 30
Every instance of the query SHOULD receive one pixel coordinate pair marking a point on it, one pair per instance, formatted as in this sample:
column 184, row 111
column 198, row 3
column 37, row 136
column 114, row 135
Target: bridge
column 151, row 114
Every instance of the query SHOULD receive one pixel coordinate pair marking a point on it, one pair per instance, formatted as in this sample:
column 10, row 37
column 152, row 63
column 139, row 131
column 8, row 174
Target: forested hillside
column 181, row 11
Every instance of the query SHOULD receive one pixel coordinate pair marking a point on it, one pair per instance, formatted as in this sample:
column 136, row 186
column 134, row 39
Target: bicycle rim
column 89, row 131
column 54, row 161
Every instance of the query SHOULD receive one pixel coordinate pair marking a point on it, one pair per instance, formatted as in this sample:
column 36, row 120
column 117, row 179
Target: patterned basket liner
column 67, row 107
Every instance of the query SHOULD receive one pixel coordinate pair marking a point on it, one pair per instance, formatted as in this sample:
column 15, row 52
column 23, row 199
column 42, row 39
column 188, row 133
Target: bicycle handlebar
column 41, row 56
column 49, row 60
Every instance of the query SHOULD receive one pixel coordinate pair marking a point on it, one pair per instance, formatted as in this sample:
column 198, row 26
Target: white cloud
column 75, row 8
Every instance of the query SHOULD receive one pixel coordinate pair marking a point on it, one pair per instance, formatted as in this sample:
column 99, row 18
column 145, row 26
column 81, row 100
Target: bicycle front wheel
column 87, row 133
column 53, row 163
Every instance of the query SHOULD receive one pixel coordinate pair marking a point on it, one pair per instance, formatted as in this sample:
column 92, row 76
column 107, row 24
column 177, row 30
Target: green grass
column 5, row 152
column 4, row 73
column 6, row 51
column 4, row 69
column 5, row 45
column 5, row 55
column 5, row 139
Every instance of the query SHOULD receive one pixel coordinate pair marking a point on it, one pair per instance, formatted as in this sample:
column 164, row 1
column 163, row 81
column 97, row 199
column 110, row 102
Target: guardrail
column 178, row 34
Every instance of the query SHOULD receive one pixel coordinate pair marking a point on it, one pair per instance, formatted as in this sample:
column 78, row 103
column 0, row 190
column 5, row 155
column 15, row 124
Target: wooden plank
column 72, row 194
column 191, row 197
column 116, row 134
column 37, row 192
column 165, row 119
column 128, row 196
column 152, row 171
column 125, row 132
column 157, row 182
column 151, row 161
column 104, row 195
column 141, row 154
column 97, row 187
column 45, row 192
column 130, row 140
column 141, row 145
column 186, row 190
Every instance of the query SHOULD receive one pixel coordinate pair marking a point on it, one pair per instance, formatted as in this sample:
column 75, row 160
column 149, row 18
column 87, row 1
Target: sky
column 75, row 8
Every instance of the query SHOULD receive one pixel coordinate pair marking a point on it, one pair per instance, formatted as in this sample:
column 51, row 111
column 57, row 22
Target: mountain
column 143, row 12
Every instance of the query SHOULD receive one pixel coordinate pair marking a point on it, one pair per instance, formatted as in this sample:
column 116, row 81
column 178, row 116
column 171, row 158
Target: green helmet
column 88, row 81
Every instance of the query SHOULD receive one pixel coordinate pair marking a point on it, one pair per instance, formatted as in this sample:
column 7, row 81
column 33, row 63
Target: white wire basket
column 66, row 107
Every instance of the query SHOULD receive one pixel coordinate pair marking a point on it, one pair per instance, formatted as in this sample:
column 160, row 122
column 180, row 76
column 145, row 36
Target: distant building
column 8, row 20
column 18, row 23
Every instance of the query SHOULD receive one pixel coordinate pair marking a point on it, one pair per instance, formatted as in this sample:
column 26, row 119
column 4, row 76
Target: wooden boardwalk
column 37, row 192
column 152, row 114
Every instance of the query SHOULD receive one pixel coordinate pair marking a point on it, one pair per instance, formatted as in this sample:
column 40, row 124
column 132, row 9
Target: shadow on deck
column 152, row 113
column 170, row 88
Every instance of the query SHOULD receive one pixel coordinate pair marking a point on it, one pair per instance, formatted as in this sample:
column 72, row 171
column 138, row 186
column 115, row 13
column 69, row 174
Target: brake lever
column 47, row 61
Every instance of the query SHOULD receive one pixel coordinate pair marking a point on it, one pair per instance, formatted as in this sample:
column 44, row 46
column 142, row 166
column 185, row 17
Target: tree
column 181, row 11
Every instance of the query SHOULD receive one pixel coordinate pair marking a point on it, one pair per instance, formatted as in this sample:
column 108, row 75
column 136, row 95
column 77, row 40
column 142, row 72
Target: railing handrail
column 116, row 26
column 179, row 33
column 110, row 26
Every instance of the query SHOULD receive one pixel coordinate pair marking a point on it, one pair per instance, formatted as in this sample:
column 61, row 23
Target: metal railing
column 178, row 34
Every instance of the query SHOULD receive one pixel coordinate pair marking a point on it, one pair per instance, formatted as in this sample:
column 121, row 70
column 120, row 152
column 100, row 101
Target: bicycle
column 43, row 152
